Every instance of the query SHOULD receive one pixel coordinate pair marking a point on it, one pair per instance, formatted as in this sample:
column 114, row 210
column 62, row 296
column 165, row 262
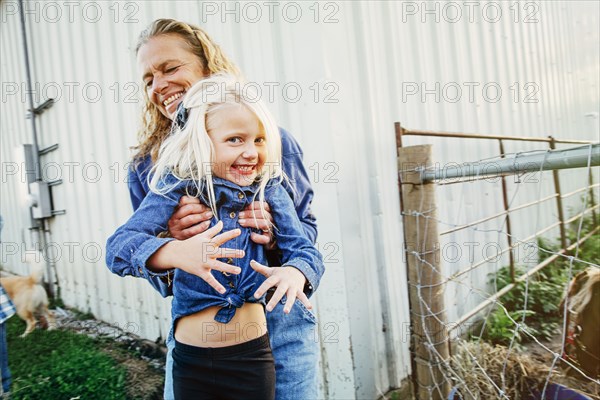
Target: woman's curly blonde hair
column 155, row 126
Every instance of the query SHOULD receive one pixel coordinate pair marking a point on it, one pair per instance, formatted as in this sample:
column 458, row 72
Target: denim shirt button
column 141, row 271
column 231, row 285
column 240, row 195
column 232, row 215
column 230, row 261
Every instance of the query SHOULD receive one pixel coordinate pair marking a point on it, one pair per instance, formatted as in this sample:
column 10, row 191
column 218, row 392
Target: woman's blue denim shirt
column 130, row 247
column 297, row 186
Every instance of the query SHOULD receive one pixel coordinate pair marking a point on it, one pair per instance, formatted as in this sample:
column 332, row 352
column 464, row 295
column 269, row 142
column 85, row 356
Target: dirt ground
column 569, row 378
column 538, row 353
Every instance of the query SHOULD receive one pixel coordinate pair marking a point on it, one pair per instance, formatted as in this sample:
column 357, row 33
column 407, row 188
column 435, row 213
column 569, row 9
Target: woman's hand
column 192, row 217
column 189, row 219
column 289, row 281
column 198, row 255
column 262, row 222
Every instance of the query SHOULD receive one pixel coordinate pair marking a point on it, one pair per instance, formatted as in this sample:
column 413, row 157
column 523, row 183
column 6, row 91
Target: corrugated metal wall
column 341, row 73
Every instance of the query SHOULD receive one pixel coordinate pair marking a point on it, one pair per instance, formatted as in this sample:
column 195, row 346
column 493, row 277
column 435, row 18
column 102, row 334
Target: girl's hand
column 289, row 281
column 262, row 222
column 189, row 219
column 198, row 255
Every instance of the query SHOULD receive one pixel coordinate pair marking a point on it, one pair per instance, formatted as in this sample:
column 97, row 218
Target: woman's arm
column 138, row 189
column 134, row 242
column 298, row 187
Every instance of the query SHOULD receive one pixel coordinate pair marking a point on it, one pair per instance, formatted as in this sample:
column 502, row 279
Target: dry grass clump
column 483, row 371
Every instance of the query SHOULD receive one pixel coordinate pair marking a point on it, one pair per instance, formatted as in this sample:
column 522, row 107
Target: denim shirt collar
column 226, row 190
column 220, row 183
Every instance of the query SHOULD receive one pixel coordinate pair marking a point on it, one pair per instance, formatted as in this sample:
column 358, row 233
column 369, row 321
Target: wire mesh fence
column 492, row 324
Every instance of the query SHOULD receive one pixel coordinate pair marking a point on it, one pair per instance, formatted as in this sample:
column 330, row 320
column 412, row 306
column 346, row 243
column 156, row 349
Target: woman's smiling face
column 168, row 70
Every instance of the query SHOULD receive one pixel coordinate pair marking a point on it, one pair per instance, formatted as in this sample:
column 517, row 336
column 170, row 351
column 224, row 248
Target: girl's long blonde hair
column 155, row 126
column 188, row 153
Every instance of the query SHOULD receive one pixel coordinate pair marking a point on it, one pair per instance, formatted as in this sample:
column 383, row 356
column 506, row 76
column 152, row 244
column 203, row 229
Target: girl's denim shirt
column 130, row 247
column 297, row 186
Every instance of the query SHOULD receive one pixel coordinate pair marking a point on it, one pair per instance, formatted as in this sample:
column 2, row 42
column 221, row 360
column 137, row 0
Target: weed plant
column 535, row 305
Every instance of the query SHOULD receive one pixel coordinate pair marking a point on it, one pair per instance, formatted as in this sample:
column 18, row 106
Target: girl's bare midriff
column 201, row 329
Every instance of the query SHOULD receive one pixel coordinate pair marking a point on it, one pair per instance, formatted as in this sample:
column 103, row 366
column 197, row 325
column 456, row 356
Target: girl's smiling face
column 239, row 143
column 168, row 70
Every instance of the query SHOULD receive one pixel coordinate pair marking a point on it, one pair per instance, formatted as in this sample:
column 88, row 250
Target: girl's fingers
column 208, row 278
column 223, row 267
column 268, row 283
column 224, row 252
column 277, row 296
column 289, row 303
column 211, row 232
column 262, row 289
column 220, row 239
column 304, row 299
column 263, row 270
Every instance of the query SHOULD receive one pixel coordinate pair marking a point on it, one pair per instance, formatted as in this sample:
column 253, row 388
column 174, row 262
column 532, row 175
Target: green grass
column 60, row 364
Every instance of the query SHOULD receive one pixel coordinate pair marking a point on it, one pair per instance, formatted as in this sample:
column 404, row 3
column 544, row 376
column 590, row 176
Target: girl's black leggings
column 243, row 371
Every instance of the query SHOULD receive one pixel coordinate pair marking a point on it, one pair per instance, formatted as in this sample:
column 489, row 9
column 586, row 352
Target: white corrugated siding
column 371, row 52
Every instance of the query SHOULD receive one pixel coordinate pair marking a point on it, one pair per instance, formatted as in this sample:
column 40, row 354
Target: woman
column 173, row 56
column 228, row 153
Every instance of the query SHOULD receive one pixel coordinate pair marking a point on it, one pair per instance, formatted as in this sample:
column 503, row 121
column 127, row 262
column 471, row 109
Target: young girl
column 228, row 153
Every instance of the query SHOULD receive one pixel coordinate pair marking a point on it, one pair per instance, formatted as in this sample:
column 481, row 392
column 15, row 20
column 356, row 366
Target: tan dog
column 29, row 296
